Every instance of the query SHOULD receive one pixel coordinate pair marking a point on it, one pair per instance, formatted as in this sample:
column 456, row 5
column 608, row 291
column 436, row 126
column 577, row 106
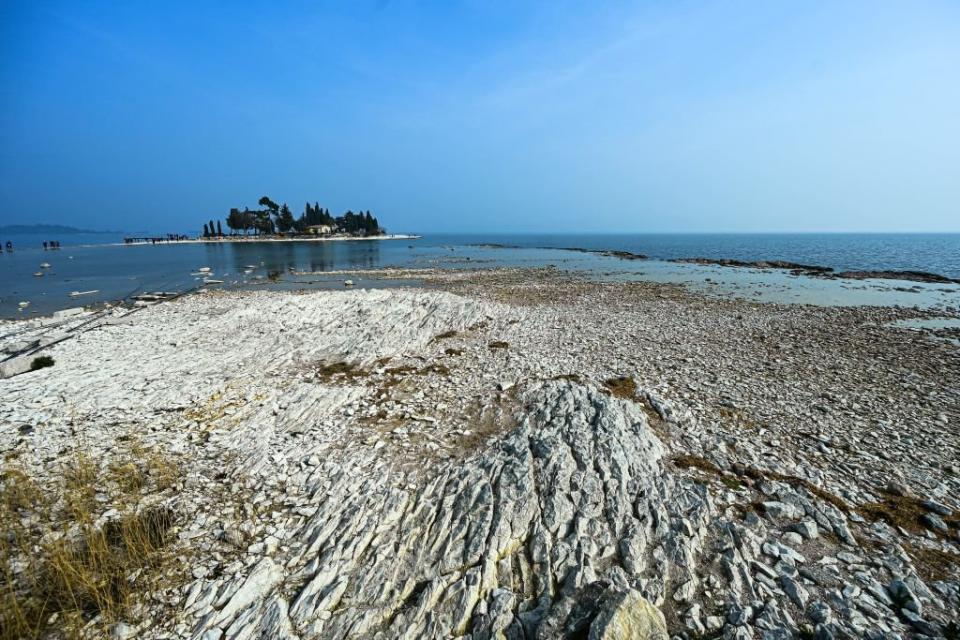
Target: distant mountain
column 45, row 229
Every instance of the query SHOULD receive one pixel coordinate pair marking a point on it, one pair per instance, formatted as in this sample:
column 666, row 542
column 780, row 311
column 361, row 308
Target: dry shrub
column 41, row 362
column 60, row 564
column 18, row 490
column 623, row 387
column 343, row 370
column 934, row 564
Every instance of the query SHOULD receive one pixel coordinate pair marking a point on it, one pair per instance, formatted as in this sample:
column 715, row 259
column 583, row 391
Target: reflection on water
column 116, row 272
column 297, row 256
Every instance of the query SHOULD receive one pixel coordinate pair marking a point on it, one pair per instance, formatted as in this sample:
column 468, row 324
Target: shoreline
column 255, row 239
column 512, row 415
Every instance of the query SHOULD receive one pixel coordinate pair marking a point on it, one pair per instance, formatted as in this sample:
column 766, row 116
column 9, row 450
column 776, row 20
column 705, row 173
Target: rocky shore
column 504, row 454
column 817, row 271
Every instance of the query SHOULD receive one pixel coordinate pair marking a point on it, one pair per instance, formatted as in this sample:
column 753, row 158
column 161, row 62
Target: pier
column 170, row 237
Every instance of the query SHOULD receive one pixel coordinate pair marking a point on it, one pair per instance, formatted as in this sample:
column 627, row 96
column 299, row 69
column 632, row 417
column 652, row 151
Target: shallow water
column 118, row 271
column 928, row 323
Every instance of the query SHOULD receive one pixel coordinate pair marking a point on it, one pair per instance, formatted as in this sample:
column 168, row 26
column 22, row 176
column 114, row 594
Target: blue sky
column 483, row 115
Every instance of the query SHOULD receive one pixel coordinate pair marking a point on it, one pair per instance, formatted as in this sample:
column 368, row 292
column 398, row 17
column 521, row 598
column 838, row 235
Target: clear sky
column 484, row 115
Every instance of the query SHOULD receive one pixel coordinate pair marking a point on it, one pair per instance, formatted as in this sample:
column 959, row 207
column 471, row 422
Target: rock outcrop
column 571, row 519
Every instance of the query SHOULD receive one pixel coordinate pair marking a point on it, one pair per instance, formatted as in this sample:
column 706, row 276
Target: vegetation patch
column 499, row 344
column 686, row 461
column 446, row 335
column 757, row 474
column 934, row 564
column 340, row 370
column 401, row 370
column 41, row 362
column 450, row 351
column 64, row 561
column 569, row 377
column 622, row 387
column 899, row 511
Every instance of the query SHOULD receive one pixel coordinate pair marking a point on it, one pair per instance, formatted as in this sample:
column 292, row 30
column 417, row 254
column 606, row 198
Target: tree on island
column 219, row 229
column 273, row 218
column 285, row 221
column 206, row 231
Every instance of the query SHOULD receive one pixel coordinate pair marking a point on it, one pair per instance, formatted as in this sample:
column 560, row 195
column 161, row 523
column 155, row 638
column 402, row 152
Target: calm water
column 88, row 263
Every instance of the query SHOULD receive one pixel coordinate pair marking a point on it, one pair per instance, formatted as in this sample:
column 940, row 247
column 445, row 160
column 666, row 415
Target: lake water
column 116, row 271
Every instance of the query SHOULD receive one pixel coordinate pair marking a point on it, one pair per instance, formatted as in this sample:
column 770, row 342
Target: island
column 277, row 221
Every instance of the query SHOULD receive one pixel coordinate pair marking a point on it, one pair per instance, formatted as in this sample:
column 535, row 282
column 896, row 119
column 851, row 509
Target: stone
column 933, row 521
column 904, row 597
column 937, row 507
column 792, row 538
column 122, row 631
column 714, row 623
column 777, row 509
column 262, row 579
column 629, row 616
column 794, row 591
column 820, row 612
column 15, row 366
column 806, row 528
column 899, row 489
column 739, row 616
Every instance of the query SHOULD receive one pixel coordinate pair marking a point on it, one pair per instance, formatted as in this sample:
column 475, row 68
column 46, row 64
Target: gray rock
column 820, row 612
column 904, row 597
column 937, row 507
column 792, row 538
column 630, row 616
column 794, row 591
column 806, row 528
column 933, row 521
column 777, row 509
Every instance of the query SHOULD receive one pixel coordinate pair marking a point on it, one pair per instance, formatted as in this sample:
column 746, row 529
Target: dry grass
column 898, row 511
column 686, row 461
column 934, row 564
column 623, row 387
column 450, row 351
column 61, row 564
column 446, row 335
column 341, row 370
column 437, row 368
column 758, row 474
column 499, row 344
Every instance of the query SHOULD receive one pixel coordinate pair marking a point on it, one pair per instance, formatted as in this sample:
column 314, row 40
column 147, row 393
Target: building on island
column 320, row 229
